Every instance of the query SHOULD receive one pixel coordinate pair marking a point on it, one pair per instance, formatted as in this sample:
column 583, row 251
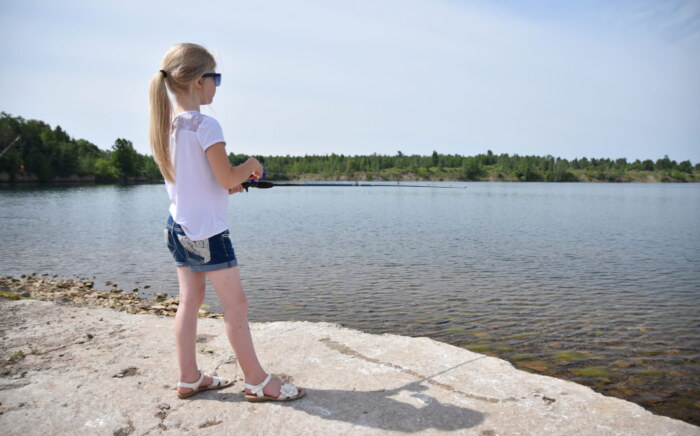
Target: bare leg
column 192, row 288
column 227, row 284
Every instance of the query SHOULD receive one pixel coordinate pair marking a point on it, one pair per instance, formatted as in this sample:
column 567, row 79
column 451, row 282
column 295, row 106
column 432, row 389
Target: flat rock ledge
column 74, row 370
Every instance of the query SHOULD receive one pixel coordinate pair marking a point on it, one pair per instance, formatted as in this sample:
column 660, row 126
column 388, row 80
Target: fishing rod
column 11, row 144
column 262, row 184
column 268, row 185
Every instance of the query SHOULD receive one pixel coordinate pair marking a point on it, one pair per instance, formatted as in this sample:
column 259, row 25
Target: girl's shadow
column 404, row 409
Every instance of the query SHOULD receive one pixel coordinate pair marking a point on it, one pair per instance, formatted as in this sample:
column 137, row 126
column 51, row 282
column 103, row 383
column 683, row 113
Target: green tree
column 471, row 169
column 125, row 159
column 561, row 173
column 489, row 159
column 150, row 168
column 526, row 170
column 685, row 167
column 105, row 171
column 664, row 164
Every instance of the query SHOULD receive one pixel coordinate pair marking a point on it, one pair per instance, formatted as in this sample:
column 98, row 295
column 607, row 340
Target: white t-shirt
column 197, row 202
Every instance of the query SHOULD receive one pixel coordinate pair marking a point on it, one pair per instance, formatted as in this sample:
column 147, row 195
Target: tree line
column 482, row 167
column 32, row 150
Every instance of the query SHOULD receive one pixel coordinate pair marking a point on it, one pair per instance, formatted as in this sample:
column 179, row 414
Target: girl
column 189, row 149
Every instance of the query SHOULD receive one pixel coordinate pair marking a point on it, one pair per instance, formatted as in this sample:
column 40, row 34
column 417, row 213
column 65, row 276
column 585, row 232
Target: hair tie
column 164, row 73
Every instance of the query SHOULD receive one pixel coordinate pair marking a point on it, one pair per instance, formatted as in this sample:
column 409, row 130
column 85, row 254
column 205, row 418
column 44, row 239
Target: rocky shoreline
column 83, row 293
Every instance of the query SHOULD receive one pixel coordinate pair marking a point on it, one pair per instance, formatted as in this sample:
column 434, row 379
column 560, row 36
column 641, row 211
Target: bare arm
column 229, row 176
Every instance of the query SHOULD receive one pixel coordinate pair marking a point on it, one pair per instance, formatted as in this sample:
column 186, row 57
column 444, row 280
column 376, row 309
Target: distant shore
column 636, row 177
column 33, row 179
column 40, row 153
column 581, row 177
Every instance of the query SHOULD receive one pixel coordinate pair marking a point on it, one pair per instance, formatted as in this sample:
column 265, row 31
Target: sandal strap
column 217, row 381
column 258, row 389
column 194, row 385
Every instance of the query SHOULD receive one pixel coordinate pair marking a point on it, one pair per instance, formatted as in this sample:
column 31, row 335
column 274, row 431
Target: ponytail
column 182, row 64
column 161, row 113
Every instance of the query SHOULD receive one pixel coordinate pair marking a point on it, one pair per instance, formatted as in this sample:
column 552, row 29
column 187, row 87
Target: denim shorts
column 205, row 255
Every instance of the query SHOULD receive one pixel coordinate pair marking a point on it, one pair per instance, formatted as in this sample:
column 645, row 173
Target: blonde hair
column 182, row 64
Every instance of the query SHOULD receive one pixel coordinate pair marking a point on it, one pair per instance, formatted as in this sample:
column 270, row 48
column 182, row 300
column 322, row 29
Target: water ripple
column 595, row 283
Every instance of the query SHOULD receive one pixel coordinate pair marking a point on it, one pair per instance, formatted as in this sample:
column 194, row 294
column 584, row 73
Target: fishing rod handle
column 259, row 185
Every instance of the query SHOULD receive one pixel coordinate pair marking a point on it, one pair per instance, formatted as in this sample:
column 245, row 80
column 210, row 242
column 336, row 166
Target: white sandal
column 217, row 383
column 287, row 392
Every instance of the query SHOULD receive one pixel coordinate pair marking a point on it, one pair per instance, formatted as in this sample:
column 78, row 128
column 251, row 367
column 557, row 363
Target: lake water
column 596, row 283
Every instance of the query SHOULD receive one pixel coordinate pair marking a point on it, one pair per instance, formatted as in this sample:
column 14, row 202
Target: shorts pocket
column 195, row 251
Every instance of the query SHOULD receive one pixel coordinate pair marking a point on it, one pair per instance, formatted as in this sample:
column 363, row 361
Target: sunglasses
column 216, row 76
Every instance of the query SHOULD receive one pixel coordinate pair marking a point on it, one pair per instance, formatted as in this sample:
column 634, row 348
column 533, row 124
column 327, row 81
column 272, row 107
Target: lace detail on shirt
column 188, row 121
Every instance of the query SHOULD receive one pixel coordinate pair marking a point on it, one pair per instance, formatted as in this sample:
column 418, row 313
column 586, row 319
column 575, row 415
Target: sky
column 571, row 79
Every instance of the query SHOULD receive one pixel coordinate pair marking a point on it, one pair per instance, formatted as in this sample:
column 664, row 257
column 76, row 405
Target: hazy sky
column 598, row 78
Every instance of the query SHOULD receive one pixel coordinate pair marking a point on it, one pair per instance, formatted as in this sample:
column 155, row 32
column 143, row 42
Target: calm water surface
column 596, row 283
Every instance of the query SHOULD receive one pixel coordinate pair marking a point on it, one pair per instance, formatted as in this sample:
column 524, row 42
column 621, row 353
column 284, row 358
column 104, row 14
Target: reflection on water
column 596, row 283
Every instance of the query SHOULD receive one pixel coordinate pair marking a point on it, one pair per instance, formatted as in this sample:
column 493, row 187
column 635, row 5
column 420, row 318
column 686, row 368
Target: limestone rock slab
column 96, row 371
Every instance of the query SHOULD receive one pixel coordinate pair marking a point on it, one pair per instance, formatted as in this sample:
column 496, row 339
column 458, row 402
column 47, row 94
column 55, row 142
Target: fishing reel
column 260, row 184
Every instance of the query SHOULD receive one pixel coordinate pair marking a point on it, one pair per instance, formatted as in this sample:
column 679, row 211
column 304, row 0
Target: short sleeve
column 209, row 133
